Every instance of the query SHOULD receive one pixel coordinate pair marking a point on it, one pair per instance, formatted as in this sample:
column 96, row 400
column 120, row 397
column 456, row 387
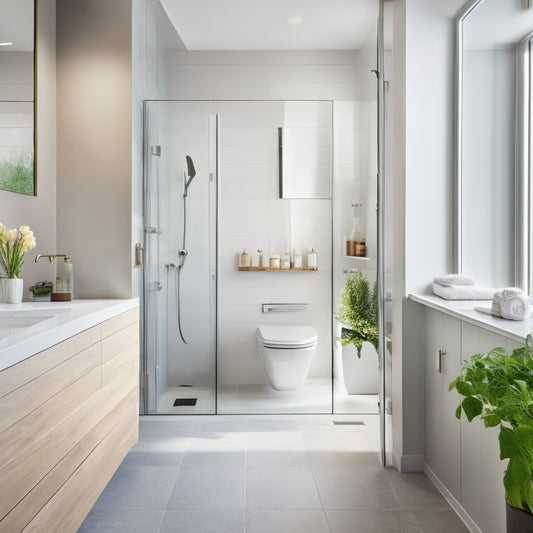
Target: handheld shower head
column 190, row 167
column 190, row 172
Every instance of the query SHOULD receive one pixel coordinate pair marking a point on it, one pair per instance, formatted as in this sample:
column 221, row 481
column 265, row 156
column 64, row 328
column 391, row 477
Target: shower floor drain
column 185, row 401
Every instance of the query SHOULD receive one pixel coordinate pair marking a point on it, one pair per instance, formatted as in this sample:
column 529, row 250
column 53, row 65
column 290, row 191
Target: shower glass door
column 180, row 262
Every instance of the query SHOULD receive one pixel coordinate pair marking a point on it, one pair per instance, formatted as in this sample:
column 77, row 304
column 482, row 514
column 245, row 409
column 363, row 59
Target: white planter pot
column 361, row 376
column 11, row 290
column 358, row 375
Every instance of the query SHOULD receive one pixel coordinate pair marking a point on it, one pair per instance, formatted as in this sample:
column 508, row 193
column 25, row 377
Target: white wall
column 39, row 212
column 252, row 215
column 423, row 176
column 94, row 135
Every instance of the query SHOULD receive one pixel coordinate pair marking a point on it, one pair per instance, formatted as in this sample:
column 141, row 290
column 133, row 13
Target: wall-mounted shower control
column 139, row 255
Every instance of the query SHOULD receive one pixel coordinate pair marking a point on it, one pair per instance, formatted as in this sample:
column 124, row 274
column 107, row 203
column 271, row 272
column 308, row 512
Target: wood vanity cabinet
column 461, row 457
column 68, row 416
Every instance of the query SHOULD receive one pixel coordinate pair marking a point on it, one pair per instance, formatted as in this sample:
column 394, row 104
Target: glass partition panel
column 180, row 204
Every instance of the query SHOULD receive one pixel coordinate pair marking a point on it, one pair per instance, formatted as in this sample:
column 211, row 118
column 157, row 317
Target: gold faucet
column 50, row 256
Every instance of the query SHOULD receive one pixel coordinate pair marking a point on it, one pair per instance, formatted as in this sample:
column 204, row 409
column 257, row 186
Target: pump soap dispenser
column 64, row 285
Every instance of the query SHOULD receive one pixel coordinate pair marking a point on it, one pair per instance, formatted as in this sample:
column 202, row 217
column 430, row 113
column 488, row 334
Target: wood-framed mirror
column 17, row 96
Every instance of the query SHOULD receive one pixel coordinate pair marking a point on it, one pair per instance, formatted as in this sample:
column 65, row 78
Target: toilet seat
column 287, row 337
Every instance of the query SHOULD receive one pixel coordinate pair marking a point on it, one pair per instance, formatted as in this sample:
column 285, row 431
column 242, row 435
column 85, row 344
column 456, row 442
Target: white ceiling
column 16, row 25
column 265, row 24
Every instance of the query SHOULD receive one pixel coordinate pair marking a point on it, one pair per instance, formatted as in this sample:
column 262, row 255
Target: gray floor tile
column 277, row 458
column 439, row 521
column 354, row 488
column 138, row 487
column 415, row 491
column 381, row 521
column 122, row 521
column 163, row 427
column 221, row 423
column 343, row 458
column 153, row 456
column 275, row 448
column 263, row 474
column 288, row 521
column 208, row 487
column 216, row 449
column 204, row 521
column 281, row 488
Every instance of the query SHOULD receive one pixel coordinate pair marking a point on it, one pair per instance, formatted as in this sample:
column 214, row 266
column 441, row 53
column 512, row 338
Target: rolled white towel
column 454, row 279
column 514, row 305
column 463, row 292
column 499, row 295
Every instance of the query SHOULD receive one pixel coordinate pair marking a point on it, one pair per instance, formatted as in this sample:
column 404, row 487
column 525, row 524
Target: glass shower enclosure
column 180, row 253
column 221, row 177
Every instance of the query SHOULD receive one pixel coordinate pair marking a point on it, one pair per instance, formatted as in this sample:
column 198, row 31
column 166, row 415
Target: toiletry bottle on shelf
column 312, row 263
column 357, row 237
column 244, row 260
column 286, row 261
column 64, row 281
column 297, row 264
column 260, row 258
column 275, row 261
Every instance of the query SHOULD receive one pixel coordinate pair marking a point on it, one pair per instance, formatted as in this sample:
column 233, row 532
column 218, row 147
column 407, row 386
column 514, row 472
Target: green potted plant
column 358, row 312
column 498, row 387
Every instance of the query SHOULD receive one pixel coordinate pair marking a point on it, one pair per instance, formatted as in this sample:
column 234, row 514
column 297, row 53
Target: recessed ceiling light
column 6, row 44
column 295, row 20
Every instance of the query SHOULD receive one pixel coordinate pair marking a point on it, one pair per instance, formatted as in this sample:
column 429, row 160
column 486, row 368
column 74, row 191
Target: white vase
column 11, row 290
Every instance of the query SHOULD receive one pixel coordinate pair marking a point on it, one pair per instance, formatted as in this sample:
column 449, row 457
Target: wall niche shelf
column 267, row 269
column 358, row 258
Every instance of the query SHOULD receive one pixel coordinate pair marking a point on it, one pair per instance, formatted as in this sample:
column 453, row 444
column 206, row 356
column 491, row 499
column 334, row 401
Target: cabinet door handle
column 438, row 360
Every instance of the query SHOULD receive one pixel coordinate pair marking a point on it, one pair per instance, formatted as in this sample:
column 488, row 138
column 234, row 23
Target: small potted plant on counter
column 498, row 387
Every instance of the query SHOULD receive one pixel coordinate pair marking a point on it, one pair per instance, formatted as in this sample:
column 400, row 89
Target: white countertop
column 517, row 330
column 56, row 321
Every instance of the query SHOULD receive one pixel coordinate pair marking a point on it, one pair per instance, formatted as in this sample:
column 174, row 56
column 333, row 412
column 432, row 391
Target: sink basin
column 14, row 321
column 21, row 321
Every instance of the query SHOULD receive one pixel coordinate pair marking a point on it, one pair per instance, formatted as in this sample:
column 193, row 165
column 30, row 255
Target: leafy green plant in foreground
column 359, row 312
column 498, row 387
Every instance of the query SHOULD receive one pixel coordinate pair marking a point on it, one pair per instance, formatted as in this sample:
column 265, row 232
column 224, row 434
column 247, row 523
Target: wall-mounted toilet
column 286, row 353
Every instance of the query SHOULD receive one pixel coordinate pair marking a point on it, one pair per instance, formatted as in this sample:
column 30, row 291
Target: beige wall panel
column 119, row 322
column 94, row 158
column 17, row 375
column 35, row 393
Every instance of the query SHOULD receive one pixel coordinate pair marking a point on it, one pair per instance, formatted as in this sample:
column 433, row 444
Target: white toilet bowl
column 286, row 353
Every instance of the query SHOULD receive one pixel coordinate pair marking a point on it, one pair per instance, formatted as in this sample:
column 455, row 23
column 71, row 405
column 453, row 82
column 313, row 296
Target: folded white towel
column 463, row 292
column 511, row 304
column 454, row 279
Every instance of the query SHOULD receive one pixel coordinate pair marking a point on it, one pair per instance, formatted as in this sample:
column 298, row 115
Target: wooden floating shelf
column 267, row 269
